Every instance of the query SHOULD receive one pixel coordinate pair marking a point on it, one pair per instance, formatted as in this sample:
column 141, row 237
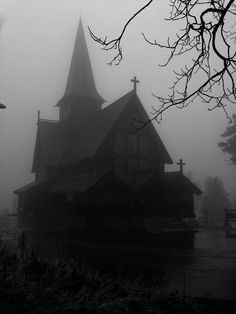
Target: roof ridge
column 130, row 93
column 100, row 112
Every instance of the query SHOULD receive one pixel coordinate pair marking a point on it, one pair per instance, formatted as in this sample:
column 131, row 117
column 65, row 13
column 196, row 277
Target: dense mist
column 36, row 40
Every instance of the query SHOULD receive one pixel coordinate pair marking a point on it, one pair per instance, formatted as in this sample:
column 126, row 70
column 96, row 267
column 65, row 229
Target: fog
column 36, row 40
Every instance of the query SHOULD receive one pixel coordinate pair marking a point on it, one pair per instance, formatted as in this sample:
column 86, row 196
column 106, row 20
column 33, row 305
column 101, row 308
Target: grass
column 30, row 283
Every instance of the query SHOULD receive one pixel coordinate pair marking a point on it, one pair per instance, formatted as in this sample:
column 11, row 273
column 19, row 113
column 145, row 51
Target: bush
column 34, row 284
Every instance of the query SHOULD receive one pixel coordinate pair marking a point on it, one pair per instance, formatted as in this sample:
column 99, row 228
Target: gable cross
column 135, row 81
column 181, row 164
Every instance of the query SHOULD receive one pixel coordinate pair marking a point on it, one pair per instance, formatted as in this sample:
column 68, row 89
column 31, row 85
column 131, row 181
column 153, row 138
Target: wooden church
column 91, row 166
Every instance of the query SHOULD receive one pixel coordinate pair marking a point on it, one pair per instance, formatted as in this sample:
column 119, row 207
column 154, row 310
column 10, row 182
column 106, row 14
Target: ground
column 207, row 271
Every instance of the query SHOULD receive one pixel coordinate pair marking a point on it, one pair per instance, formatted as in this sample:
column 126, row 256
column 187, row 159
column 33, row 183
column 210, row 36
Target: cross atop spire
column 135, row 81
column 181, row 164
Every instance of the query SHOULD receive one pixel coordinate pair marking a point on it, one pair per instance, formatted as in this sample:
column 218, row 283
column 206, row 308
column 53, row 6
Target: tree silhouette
column 207, row 41
column 214, row 201
column 229, row 145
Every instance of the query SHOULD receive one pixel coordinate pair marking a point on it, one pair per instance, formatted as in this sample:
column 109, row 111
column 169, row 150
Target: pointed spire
column 80, row 82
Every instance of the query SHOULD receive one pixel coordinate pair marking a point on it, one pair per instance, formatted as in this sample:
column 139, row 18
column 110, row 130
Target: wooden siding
column 108, row 155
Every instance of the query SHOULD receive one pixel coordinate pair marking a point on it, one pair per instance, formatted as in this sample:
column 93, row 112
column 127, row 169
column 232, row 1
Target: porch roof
column 29, row 187
column 83, row 183
column 177, row 179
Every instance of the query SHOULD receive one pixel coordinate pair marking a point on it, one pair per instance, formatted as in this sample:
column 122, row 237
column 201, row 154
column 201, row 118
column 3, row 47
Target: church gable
column 127, row 150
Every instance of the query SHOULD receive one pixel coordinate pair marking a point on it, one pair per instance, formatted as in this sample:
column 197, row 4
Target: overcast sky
column 36, row 43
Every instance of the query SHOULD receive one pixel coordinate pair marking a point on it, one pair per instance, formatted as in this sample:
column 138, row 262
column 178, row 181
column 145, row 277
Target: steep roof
column 177, row 179
column 91, row 134
column 84, row 182
column 35, row 185
column 170, row 180
column 80, row 82
column 152, row 131
column 61, row 145
column 136, row 180
column 51, row 141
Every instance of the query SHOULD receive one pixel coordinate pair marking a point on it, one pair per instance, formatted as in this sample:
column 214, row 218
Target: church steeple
column 81, row 97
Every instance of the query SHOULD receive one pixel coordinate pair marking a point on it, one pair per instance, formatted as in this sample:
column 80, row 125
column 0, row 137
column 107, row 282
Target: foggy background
column 36, row 45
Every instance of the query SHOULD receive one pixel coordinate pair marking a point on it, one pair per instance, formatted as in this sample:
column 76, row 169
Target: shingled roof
column 61, row 145
column 84, row 182
column 51, row 142
column 80, row 82
column 91, row 134
column 177, row 179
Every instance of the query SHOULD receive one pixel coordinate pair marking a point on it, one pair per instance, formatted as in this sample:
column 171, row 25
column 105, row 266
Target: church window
column 132, row 144
column 143, row 145
column 119, row 144
column 130, row 152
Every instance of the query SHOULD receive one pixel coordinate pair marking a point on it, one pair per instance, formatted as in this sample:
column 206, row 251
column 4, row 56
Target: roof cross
column 181, row 164
column 135, row 81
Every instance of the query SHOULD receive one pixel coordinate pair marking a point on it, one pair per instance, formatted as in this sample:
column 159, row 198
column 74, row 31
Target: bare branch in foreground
column 208, row 43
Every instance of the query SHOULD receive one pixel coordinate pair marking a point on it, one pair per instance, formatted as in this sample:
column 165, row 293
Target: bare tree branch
column 208, row 40
column 116, row 43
